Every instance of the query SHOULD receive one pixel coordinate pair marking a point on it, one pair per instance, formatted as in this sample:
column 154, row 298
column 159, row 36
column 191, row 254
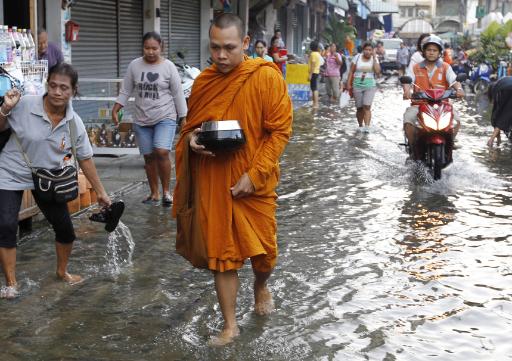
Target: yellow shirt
column 314, row 62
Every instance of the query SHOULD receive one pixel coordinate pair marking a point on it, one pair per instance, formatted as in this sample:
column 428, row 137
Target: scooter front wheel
column 438, row 160
column 480, row 86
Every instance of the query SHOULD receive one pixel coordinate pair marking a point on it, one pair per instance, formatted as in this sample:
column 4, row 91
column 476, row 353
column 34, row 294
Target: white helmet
column 432, row 39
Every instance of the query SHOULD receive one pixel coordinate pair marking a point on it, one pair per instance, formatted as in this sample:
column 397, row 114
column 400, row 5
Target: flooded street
column 377, row 262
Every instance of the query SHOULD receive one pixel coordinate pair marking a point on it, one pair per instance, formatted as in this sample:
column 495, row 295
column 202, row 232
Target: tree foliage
column 493, row 46
column 337, row 31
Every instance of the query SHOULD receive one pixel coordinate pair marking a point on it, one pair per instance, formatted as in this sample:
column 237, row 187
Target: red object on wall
column 72, row 30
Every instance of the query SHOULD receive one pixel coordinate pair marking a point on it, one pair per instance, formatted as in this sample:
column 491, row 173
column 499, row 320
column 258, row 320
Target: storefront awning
column 343, row 4
column 416, row 26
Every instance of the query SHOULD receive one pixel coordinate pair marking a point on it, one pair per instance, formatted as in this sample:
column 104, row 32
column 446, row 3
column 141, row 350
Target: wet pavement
column 377, row 262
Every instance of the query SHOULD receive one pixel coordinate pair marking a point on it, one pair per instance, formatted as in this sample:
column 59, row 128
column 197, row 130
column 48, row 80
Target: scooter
column 480, row 77
column 434, row 137
column 188, row 75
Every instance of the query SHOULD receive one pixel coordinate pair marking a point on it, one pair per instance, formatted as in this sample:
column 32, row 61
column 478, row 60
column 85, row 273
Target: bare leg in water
column 63, row 252
column 360, row 116
column 151, row 168
column 263, row 302
column 226, row 285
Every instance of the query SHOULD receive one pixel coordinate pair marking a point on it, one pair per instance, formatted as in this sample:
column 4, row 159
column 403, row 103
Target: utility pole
column 480, row 4
column 462, row 14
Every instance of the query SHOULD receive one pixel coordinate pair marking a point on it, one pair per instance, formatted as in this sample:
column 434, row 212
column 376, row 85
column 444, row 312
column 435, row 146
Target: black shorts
column 56, row 214
column 313, row 83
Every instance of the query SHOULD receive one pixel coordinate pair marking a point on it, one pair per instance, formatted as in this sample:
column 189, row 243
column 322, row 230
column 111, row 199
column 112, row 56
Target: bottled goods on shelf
column 16, row 45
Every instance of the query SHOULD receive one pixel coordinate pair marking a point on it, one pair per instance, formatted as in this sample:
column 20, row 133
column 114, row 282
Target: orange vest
column 422, row 81
column 448, row 56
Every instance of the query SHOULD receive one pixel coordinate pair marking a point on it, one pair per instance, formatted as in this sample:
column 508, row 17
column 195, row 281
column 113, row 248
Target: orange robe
column 256, row 95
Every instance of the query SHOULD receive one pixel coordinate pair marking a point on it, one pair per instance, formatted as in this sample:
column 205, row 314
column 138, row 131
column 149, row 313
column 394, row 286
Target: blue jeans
column 159, row 135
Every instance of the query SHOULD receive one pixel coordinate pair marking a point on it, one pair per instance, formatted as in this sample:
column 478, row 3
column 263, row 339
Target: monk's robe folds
column 256, row 95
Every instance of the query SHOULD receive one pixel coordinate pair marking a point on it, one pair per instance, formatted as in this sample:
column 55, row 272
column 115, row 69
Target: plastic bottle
column 12, row 54
column 29, row 49
column 18, row 50
column 3, row 46
column 33, row 54
column 24, row 45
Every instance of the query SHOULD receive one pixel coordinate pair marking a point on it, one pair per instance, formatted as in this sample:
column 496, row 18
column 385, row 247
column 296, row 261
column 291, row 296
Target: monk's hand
column 196, row 147
column 243, row 187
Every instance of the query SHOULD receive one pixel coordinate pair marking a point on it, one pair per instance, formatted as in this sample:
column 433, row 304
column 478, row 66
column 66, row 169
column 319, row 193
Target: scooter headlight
column 444, row 122
column 429, row 121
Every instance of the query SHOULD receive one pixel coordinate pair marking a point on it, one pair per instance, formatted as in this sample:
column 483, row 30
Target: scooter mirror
column 180, row 55
column 461, row 77
column 405, row 79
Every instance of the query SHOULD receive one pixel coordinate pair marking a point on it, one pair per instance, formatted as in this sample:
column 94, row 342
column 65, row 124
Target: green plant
column 337, row 31
column 492, row 44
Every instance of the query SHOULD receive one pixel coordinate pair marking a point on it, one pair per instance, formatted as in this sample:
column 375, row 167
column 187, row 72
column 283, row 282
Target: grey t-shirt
column 158, row 91
column 45, row 147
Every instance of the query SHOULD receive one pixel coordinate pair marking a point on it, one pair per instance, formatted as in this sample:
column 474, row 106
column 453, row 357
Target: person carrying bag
column 59, row 185
column 46, row 131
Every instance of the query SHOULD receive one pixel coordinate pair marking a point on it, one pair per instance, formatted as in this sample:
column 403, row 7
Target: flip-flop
column 167, row 200
column 150, row 200
column 109, row 215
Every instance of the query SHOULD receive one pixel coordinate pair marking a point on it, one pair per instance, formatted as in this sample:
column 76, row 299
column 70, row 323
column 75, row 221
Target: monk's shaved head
column 228, row 20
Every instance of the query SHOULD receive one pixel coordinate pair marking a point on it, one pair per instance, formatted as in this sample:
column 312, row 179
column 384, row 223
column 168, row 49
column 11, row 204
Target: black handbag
column 55, row 185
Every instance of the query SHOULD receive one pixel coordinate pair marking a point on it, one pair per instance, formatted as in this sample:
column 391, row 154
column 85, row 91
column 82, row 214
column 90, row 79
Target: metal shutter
column 164, row 25
column 186, row 30
column 94, row 55
column 131, row 28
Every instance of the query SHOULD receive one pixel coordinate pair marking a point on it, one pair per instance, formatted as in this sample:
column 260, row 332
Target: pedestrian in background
column 362, row 84
column 402, row 57
column 500, row 94
column 46, row 129
column 333, row 63
column 448, row 54
column 417, row 57
column 314, row 63
column 260, row 50
column 159, row 103
column 233, row 193
column 47, row 50
column 278, row 54
column 279, row 36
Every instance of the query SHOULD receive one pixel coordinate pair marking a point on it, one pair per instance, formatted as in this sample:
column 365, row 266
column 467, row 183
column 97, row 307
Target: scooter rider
column 432, row 73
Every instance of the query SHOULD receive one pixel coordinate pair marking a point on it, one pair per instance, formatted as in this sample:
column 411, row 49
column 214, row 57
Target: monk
column 235, row 196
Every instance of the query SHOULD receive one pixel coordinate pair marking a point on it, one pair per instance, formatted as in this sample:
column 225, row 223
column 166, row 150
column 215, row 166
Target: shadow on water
column 376, row 262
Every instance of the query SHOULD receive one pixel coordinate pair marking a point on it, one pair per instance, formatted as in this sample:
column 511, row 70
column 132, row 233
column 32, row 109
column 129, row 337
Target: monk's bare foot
column 71, row 279
column 224, row 337
column 263, row 302
column 9, row 292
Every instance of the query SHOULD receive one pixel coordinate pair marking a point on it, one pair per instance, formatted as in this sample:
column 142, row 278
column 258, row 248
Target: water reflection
column 375, row 263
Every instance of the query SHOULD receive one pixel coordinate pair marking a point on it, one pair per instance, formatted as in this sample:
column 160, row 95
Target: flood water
column 377, row 262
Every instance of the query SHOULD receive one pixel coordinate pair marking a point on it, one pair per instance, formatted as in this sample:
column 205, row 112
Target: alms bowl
column 221, row 135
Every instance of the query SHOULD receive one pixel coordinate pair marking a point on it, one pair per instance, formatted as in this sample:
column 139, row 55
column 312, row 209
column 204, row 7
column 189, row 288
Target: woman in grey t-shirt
column 42, row 127
column 159, row 103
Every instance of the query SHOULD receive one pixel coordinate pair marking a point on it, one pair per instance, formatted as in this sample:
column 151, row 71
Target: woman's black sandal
column 109, row 215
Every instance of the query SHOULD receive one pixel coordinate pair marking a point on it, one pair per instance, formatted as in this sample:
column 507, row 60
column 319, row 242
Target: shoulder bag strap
column 73, row 136
column 25, row 155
